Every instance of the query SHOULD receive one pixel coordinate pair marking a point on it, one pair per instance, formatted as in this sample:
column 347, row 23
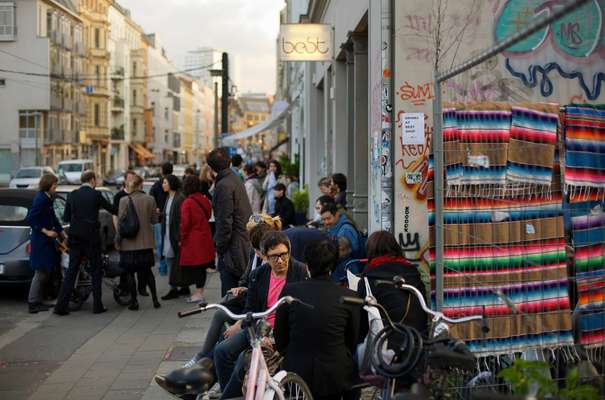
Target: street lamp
column 216, row 73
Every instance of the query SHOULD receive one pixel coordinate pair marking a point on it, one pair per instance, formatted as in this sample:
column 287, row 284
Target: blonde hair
column 204, row 174
column 135, row 183
column 257, row 219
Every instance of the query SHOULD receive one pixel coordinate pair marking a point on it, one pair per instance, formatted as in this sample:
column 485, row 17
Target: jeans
column 228, row 280
column 226, row 355
column 157, row 233
column 169, row 265
column 37, row 286
column 214, row 333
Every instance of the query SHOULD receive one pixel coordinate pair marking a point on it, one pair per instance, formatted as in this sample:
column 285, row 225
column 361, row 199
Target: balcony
column 117, row 133
column 118, row 74
column 97, row 133
column 117, row 105
column 100, row 53
column 137, row 109
column 8, row 33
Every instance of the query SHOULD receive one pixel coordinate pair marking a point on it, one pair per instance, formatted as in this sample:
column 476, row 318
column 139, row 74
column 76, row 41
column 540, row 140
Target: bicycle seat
column 194, row 380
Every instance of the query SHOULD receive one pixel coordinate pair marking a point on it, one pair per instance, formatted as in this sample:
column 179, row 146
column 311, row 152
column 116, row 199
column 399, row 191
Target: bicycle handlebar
column 239, row 317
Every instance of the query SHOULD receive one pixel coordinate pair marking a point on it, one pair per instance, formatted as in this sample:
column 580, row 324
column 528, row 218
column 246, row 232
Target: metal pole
column 510, row 41
column 225, row 95
column 216, row 132
column 438, row 193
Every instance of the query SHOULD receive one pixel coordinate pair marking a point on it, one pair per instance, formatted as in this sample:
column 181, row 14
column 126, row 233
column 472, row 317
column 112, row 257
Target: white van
column 71, row 170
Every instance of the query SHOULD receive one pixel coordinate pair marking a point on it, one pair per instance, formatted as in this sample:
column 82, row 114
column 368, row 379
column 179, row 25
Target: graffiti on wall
column 572, row 47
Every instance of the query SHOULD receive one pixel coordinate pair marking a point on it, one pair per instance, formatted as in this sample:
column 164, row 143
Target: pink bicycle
column 260, row 385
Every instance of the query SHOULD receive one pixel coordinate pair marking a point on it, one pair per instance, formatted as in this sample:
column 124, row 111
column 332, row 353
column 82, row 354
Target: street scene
column 302, row 199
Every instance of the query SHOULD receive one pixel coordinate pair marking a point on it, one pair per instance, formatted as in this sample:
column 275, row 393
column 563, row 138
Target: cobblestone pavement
column 91, row 357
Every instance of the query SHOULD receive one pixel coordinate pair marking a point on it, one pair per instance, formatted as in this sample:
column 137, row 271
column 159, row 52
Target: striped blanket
column 584, row 152
column 588, row 236
column 533, row 136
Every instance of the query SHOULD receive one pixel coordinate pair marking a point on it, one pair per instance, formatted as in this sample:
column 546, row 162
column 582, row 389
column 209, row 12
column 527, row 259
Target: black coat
column 82, row 213
column 258, row 287
column 284, row 208
column 395, row 301
column 175, row 222
column 231, row 213
column 319, row 343
column 157, row 192
column 42, row 215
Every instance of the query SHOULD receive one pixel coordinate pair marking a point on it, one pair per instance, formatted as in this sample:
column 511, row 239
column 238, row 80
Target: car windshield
column 12, row 213
column 70, row 167
column 29, row 173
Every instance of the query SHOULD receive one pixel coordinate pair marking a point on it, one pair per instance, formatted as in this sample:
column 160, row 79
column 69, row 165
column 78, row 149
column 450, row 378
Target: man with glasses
column 264, row 290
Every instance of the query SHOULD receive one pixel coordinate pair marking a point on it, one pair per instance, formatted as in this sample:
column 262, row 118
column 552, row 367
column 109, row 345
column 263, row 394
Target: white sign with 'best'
column 305, row 42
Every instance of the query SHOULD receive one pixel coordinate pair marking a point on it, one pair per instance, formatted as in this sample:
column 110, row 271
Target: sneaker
column 215, row 392
column 196, row 300
column 193, row 362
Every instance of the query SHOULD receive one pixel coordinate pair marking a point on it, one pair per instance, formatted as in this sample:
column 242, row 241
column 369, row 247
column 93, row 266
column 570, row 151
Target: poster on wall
column 412, row 129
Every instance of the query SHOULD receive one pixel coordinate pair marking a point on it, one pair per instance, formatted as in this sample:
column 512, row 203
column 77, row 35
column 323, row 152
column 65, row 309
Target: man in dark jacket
column 284, row 208
column 318, row 344
column 82, row 211
column 231, row 213
column 157, row 192
column 266, row 284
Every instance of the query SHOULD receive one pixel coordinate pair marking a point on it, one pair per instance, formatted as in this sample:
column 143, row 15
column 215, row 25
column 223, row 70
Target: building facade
column 41, row 102
column 95, row 16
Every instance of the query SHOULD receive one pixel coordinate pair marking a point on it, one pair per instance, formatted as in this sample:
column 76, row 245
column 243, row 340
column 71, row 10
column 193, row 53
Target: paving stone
column 124, row 394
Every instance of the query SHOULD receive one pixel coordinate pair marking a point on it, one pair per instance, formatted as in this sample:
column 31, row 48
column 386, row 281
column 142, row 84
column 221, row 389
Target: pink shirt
column 275, row 287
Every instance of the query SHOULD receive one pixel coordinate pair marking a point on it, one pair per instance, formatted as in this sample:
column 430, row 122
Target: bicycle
column 83, row 284
column 415, row 358
column 196, row 381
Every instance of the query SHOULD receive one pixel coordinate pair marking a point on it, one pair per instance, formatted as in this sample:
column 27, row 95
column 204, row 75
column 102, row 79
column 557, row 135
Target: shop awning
column 279, row 111
column 141, row 151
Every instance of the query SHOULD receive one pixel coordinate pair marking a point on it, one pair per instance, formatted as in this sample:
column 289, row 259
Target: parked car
column 115, row 179
column 108, row 230
column 70, row 171
column 28, row 177
column 15, row 231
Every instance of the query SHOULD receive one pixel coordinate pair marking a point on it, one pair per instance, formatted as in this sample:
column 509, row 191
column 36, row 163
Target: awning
column 279, row 111
column 141, row 151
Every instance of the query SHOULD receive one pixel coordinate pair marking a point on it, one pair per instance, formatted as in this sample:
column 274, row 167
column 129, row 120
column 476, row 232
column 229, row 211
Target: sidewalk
column 121, row 360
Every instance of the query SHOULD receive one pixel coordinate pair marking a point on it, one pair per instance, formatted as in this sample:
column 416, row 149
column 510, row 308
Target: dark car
column 15, row 231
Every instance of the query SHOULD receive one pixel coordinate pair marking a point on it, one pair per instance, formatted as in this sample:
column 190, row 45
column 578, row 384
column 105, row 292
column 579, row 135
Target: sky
column 245, row 28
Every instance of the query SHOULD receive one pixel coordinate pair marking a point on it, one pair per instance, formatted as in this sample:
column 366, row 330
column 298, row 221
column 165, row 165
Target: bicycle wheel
column 294, row 388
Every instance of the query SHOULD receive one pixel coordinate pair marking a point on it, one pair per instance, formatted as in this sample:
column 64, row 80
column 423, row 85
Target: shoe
column 100, row 310
column 172, row 294
column 184, row 292
column 143, row 292
column 215, row 392
column 156, row 304
column 134, row 306
column 33, row 308
column 196, row 300
column 43, row 307
column 60, row 312
column 193, row 362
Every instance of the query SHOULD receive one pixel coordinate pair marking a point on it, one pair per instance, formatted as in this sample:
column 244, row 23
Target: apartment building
column 41, row 101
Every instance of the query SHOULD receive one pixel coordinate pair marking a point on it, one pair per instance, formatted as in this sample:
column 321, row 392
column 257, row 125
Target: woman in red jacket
column 197, row 247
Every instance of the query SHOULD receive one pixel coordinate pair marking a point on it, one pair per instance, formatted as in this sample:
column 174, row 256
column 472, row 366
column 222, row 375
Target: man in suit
column 82, row 213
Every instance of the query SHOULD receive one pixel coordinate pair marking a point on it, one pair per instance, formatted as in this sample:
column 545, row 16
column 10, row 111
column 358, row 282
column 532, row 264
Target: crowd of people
column 236, row 218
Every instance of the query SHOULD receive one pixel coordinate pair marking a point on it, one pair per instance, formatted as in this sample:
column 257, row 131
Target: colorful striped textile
column 585, row 152
column 588, row 237
column 453, row 156
column 531, row 150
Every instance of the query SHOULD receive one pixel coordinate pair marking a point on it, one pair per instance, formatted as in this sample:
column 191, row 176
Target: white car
column 72, row 170
column 29, row 177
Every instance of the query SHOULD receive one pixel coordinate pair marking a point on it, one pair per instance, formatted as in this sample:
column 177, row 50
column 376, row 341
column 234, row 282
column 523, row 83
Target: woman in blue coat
column 45, row 228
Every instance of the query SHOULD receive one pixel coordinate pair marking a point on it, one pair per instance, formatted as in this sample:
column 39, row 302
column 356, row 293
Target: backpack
column 129, row 223
column 362, row 239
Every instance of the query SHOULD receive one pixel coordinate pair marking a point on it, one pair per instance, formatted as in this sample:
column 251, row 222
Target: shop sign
column 305, row 42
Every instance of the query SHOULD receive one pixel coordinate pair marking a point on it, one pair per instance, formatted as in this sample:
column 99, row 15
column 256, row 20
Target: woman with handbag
column 45, row 228
column 197, row 250
column 135, row 239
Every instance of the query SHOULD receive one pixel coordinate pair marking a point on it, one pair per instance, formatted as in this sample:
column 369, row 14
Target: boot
column 172, row 294
column 33, row 308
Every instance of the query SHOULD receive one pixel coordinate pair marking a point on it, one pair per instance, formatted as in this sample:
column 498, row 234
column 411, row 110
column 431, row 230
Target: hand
column 232, row 330
column 266, row 343
column 50, row 234
column 237, row 290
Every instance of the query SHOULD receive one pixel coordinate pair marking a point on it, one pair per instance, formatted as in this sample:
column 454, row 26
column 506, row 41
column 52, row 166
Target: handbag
column 129, row 223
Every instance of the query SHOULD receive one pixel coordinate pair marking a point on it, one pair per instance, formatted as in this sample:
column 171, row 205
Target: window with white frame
column 8, row 26
column 29, row 123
